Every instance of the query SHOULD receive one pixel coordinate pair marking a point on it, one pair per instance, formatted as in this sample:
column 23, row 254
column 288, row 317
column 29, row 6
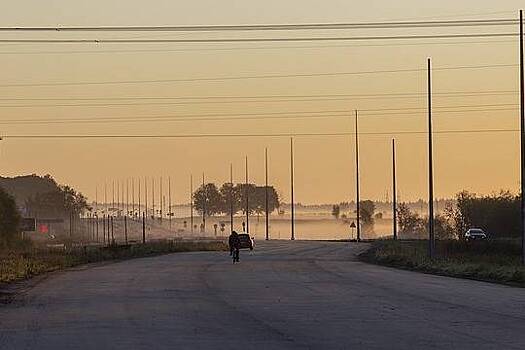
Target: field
column 308, row 226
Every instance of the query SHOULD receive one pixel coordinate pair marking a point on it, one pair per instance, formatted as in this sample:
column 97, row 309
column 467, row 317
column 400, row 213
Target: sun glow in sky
column 465, row 99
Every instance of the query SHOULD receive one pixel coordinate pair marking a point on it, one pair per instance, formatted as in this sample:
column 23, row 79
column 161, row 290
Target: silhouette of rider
column 235, row 244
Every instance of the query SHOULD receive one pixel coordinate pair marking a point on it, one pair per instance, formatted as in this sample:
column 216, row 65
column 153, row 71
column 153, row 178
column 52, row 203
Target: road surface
column 285, row 295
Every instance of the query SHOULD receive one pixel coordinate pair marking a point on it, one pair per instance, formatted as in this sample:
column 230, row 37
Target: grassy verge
column 490, row 261
column 31, row 261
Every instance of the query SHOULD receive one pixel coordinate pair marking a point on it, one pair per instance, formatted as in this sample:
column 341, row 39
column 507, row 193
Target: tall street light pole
column 169, row 200
column 522, row 123
column 127, row 196
column 132, row 207
column 431, row 239
column 204, row 205
column 153, row 197
column 146, row 196
column 266, row 193
column 161, row 200
column 139, row 210
column 191, row 203
column 357, row 200
column 394, row 190
column 292, row 204
column 247, row 194
column 231, row 197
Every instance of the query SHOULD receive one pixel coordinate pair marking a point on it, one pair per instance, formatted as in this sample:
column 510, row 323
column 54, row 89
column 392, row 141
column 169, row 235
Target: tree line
column 215, row 200
column 497, row 214
column 38, row 197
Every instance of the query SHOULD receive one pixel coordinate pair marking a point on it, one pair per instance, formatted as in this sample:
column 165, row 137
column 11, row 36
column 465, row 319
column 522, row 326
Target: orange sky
column 324, row 165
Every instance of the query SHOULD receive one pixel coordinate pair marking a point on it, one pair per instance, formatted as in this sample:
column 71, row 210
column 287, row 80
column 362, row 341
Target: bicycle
column 235, row 255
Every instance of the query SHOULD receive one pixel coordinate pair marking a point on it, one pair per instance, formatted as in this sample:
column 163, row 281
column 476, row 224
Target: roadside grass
column 491, row 261
column 28, row 261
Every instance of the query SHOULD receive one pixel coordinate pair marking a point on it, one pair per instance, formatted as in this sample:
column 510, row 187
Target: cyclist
column 235, row 244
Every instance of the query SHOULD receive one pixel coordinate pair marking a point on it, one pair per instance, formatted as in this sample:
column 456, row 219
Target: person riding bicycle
column 235, row 244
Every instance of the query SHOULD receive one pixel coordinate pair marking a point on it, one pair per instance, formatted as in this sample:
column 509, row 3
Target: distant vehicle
column 246, row 242
column 474, row 234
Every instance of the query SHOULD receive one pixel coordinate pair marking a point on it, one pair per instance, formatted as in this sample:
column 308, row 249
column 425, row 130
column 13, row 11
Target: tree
column 259, row 200
column 207, row 198
column 366, row 213
column 229, row 192
column 60, row 202
column 336, row 211
column 497, row 214
column 410, row 224
column 250, row 191
column 9, row 218
column 218, row 201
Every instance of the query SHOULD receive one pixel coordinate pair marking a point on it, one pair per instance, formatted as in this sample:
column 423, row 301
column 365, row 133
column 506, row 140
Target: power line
column 243, row 40
column 407, row 111
column 401, row 94
column 243, row 48
column 268, row 76
column 221, row 114
column 271, row 27
column 219, row 102
column 456, row 15
column 95, row 120
column 175, row 136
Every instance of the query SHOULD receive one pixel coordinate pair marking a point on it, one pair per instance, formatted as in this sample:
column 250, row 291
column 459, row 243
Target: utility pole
column 112, row 232
column 431, row 239
column 127, row 196
column 266, row 193
column 169, row 200
column 139, row 210
column 358, row 199
column 143, row 228
column 292, row 205
column 522, row 119
column 133, row 197
column 96, row 217
column 126, row 229
column 146, row 195
column 117, row 192
column 231, row 197
column 153, row 196
column 394, row 190
column 113, row 194
column 160, row 199
column 122, row 195
column 104, row 229
column 247, row 194
column 204, row 205
column 191, row 202
column 105, row 198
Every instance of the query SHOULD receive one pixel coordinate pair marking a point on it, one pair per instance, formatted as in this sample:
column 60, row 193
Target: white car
column 475, row 234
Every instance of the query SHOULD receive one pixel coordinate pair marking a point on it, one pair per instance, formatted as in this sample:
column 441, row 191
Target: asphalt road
column 285, row 295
